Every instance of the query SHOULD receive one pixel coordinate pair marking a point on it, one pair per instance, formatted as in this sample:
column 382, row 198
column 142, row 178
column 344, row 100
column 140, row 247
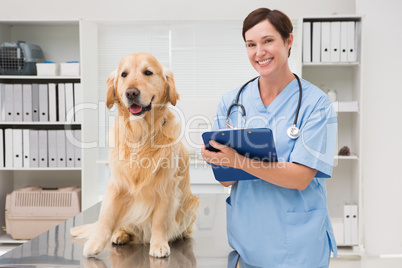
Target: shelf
column 13, row 123
column 41, row 169
column 346, row 110
column 202, row 162
column 35, row 77
column 198, row 162
column 349, row 251
column 336, row 17
column 41, row 22
column 331, row 64
column 6, row 239
column 343, row 157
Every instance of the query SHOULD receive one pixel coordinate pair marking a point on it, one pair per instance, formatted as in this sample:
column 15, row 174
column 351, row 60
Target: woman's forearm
column 284, row 174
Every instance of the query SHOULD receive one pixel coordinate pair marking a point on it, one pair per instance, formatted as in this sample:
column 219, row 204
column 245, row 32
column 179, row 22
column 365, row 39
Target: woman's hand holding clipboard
column 254, row 143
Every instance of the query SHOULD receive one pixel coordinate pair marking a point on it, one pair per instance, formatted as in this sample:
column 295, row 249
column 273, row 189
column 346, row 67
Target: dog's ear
column 172, row 95
column 111, row 94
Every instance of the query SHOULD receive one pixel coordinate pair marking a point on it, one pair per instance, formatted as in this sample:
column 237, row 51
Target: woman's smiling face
column 267, row 51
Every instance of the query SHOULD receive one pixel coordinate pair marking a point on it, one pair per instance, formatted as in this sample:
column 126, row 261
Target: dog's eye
column 148, row 72
column 123, row 74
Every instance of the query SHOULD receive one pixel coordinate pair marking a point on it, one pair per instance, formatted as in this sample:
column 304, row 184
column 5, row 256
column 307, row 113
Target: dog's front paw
column 120, row 237
column 94, row 245
column 159, row 250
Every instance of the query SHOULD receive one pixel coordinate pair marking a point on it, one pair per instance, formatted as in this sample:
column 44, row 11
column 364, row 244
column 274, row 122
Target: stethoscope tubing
column 237, row 103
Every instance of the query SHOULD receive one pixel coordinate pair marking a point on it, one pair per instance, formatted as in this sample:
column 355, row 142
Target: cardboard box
column 31, row 211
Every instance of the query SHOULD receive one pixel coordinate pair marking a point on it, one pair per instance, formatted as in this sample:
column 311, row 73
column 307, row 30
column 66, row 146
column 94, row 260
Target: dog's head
column 139, row 82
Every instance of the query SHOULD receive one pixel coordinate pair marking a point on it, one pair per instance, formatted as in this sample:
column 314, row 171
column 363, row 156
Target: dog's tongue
column 135, row 109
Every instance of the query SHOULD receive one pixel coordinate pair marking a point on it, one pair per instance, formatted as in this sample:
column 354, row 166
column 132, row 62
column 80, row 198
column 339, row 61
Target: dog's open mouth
column 136, row 109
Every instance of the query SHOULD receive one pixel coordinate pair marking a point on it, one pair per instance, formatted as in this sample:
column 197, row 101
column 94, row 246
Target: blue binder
column 255, row 143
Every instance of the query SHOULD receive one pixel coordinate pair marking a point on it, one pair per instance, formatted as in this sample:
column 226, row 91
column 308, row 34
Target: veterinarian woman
column 281, row 219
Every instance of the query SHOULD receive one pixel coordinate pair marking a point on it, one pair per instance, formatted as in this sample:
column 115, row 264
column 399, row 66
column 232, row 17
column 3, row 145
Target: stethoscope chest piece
column 293, row 132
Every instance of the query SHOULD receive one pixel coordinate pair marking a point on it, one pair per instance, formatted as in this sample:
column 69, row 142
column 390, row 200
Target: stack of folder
column 41, row 102
column 33, row 148
column 329, row 41
column 351, row 229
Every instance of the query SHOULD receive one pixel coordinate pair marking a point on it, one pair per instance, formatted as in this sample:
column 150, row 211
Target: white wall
column 381, row 105
column 382, row 95
column 164, row 9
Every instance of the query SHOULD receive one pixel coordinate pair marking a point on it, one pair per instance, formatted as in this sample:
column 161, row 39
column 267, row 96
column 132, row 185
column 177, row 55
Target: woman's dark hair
column 278, row 19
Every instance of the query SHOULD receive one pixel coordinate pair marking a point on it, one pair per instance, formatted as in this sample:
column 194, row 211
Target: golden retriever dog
column 148, row 197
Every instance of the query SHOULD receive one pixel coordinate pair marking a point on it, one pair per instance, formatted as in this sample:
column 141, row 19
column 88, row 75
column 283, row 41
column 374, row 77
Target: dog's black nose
column 132, row 92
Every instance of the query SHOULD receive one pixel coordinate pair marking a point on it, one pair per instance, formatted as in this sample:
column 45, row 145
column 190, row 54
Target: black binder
column 255, row 143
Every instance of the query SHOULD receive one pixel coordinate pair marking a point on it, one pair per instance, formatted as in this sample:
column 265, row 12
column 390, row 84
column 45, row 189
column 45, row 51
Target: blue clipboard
column 255, row 143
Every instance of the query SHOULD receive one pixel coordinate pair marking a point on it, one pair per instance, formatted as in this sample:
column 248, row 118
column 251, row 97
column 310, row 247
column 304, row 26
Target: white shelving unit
column 88, row 42
column 345, row 186
column 60, row 41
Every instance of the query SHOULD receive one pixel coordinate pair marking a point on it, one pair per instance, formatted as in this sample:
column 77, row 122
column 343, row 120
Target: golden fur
column 148, row 198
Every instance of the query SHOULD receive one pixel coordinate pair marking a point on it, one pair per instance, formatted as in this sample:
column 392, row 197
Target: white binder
column 1, row 149
column 35, row 102
column 344, row 42
column 70, row 159
column 307, row 41
column 26, row 146
column 351, row 42
column 78, row 102
column 43, row 103
column 52, row 151
column 8, row 146
column 62, row 102
column 52, row 102
column 69, row 102
column 34, row 148
column 17, row 102
column 2, row 96
column 354, row 225
column 9, row 102
column 77, row 148
column 27, row 102
column 61, row 148
column 335, row 41
column 325, row 41
column 347, row 225
column 43, row 155
column 316, row 42
column 17, row 148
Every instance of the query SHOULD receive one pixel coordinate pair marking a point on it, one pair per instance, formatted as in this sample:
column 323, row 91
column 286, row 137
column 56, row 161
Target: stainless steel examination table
column 55, row 248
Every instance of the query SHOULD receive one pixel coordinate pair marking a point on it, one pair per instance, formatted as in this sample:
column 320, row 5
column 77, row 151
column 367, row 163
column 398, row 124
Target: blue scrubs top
column 272, row 226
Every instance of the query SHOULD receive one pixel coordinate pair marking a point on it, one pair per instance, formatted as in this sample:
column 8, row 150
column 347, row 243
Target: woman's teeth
column 264, row 62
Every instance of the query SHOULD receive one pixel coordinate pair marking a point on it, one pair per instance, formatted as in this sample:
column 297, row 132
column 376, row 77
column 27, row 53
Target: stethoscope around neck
column 293, row 131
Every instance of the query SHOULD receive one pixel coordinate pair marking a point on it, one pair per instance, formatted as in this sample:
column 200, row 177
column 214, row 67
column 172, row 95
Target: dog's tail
column 83, row 231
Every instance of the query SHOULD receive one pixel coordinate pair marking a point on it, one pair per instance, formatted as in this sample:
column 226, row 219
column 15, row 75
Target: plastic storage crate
column 19, row 58
column 31, row 211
